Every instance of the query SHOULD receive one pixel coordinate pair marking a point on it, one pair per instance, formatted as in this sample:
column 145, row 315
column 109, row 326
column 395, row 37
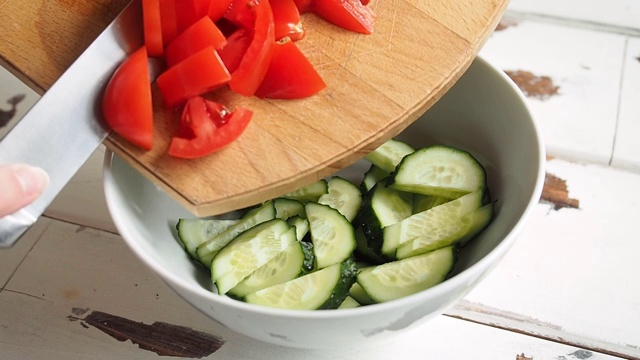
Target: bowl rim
column 483, row 265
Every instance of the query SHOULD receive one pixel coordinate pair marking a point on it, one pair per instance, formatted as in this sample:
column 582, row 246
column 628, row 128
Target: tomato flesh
column 286, row 19
column 348, row 14
column 197, row 74
column 290, row 74
column 207, row 127
column 152, row 27
column 217, row 9
column 235, row 48
column 203, row 33
column 126, row 104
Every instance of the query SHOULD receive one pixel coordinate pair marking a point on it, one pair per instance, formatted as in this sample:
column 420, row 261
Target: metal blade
column 63, row 128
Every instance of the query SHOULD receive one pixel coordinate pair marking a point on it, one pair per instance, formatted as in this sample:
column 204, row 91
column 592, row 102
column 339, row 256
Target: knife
column 64, row 127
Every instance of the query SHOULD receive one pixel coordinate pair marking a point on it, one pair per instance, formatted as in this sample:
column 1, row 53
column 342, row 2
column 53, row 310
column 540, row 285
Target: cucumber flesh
column 439, row 222
column 301, row 225
column 456, row 232
column 195, row 232
column 311, row 192
column 372, row 177
column 332, row 235
column 359, row 295
column 210, row 248
column 286, row 208
column 440, row 171
column 388, row 155
column 425, row 202
column 343, row 196
column 249, row 251
column 322, row 289
column 349, row 303
column 401, row 278
column 286, row 266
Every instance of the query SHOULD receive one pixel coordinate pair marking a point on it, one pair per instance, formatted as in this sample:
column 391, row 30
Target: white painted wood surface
column 566, row 290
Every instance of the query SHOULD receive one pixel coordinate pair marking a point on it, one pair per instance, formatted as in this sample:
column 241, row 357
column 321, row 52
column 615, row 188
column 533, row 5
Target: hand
column 19, row 186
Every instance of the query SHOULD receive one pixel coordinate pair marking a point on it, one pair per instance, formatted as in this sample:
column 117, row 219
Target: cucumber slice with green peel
column 332, row 235
column 195, row 232
column 322, row 289
column 365, row 253
column 382, row 207
column 311, row 192
column 401, row 278
column 349, row 303
column 294, row 261
column 388, row 155
column 210, row 248
column 453, row 232
column 301, row 225
column 372, row 177
column 343, row 196
column 425, row 202
column 440, row 171
column 435, row 222
column 249, row 251
column 286, row 208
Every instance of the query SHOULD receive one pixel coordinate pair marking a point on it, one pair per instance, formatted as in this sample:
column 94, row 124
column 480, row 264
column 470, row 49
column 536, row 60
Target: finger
column 19, row 186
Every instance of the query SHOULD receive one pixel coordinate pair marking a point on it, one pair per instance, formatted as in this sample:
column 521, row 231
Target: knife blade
column 63, row 128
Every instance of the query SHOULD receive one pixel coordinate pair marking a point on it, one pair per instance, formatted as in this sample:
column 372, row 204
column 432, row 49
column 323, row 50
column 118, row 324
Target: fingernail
column 33, row 180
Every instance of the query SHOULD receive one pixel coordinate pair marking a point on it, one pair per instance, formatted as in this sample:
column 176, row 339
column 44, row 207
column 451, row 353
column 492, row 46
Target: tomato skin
column 290, row 74
column 152, row 27
column 126, row 104
column 240, row 14
column 168, row 20
column 348, row 14
column 217, row 9
column 235, row 48
column 286, row 19
column 207, row 127
column 201, row 34
column 197, row 74
column 255, row 62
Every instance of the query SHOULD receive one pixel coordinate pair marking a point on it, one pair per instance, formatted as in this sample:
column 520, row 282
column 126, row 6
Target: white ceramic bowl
column 483, row 113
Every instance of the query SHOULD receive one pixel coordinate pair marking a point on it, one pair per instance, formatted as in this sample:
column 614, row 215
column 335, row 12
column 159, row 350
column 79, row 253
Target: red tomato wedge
column 152, row 27
column 217, row 9
column 206, row 127
column 126, row 104
column 199, row 73
column 286, row 19
column 187, row 13
column 239, row 13
column 235, row 48
column 255, row 62
column 168, row 20
column 203, row 33
column 351, row 15
column 290, row 74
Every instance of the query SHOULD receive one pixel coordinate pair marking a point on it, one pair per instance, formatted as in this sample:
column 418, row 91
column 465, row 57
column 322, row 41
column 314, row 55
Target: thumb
column 20, row 185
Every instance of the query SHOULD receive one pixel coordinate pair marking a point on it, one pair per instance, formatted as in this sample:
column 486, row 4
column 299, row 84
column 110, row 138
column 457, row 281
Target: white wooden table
column 568, row 289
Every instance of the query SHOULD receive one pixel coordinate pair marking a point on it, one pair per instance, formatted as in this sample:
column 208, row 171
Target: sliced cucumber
column 210, row 248
column 388, row 155
column 296, row 260
column 425, row 202
column 359, row 295
column 323, row 289
column 440, row 171
column 195, row 232
column 286, row 208
column 363, row 251
column 343, row 196
column 400, row 278
column 332, row 235
column 301, row 225
column 439, row 223
column 311, row 192
column 249, row 251
column 452, row 232
column 349, row 303
column 372, row 177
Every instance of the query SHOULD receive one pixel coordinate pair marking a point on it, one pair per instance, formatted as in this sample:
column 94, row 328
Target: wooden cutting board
column 376, row 86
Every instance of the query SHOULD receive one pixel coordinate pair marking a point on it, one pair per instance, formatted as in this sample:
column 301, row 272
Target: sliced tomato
column 217, row 9
column 351, row 15
column 203, row 33
column 303, row 5
column 235, row 48
column 152, row 27
column 126, row 104
column 186, row 14
column 206, row 127
column 197, row 74
column 202, row 7
column 290, row 74
column 255, row 62
column 168, row 20
column 286, row 20
column 240, row 13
